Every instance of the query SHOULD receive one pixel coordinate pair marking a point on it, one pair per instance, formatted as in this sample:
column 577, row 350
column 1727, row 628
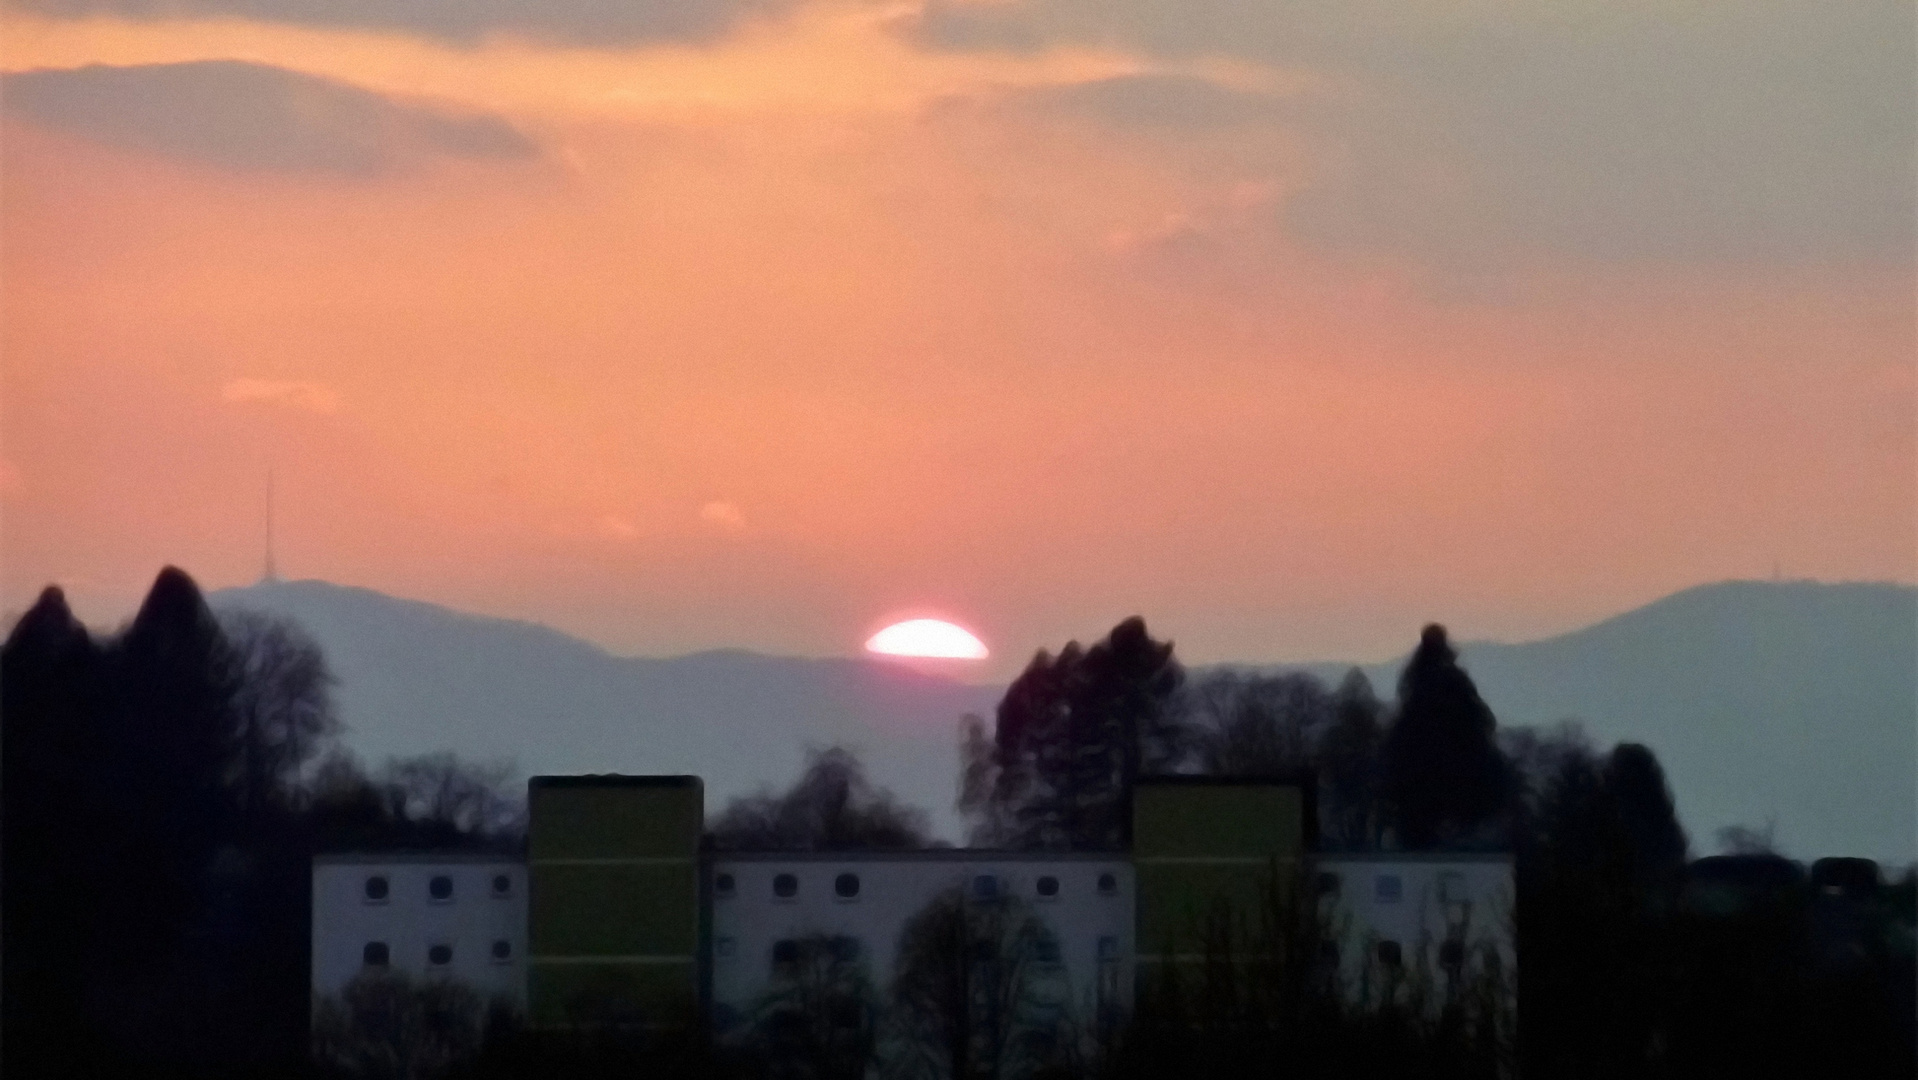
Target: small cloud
column 255, row 118
column 723, row 515
column 306, row 396
column 618, row 527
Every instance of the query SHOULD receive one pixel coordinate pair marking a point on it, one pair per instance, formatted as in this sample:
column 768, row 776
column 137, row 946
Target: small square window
column 1048, row 887
column 502, row 885
column 846, row 886
column 502, row 951
column 376, row 954
column 440, row 889
column 377, row 889
column 1388, row 889
column 439, row 955
column 1108, row 884
column 785, row 886
column 724, row 885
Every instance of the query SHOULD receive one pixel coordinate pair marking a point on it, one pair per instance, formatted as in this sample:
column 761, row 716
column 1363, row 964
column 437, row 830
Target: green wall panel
column 614, row 904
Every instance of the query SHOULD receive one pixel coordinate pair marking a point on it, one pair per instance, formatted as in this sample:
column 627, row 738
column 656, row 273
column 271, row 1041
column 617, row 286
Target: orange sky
column 774, row 335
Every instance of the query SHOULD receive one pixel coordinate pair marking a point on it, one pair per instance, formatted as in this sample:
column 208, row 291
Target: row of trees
column 162, row 790
column 164, row 787
column 1056, row 769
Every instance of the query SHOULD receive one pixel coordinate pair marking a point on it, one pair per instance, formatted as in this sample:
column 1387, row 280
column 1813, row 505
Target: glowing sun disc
column 927, row 637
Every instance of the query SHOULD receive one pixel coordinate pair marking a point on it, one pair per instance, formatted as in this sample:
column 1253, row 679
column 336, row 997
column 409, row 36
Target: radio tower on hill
column 271, row 574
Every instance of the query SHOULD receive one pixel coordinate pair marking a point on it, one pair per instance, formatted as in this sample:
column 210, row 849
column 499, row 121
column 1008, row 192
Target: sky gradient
column 765, row 324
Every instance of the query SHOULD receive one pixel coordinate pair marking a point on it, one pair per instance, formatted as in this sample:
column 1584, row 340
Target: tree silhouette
column 1350, row 815
column 282, row 706
column 977, row 991
column 1444, row 775
column 157, row 830
column 1255, row 725
column 832, row 807
column 1073, row 733
column 818, row 1018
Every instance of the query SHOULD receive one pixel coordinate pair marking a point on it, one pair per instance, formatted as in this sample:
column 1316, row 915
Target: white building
column 434, row 915
column 763, row 905
column 1425, row 916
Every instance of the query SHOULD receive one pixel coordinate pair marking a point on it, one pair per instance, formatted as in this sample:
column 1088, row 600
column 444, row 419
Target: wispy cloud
column 305, row 396
column 1466, row 133
column 618, row 528
column 723, row 515
column 584, row 22
column 253, row 117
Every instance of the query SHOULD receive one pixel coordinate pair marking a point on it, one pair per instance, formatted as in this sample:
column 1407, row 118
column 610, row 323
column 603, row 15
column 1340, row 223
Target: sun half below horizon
column 928, row 639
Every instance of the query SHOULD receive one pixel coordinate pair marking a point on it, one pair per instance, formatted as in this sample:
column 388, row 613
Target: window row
column 847, row 886
column 378, row 954
column 1391, row 954
column 1390, row 888
column 846, row 949
column 439, row 889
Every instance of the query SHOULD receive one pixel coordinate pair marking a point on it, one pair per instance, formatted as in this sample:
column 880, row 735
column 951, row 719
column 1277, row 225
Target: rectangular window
column 1388, row 889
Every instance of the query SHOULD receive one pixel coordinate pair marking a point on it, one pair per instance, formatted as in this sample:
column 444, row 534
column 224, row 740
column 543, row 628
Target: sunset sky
column 690, row 323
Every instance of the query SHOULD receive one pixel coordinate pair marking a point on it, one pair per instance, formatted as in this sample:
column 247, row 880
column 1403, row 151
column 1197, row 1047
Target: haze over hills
column 1790, row 702
column 417, row 678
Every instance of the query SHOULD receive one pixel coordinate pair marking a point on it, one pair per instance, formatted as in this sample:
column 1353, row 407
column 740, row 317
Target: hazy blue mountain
column 1794, row 702
column 416, row 678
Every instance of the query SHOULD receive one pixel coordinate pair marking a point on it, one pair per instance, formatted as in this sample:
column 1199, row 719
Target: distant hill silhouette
column 416, row 678
column 1790, row 701
column 1795, row 702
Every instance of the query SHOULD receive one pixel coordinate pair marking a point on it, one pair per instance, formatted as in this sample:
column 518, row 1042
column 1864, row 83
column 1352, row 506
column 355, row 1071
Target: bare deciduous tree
column 282, row 706
column 832, row 807
column 978, row 991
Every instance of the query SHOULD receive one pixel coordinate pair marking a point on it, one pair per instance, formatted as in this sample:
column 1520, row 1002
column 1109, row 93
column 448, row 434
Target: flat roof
column 1412, row 856
column 593, row 780
column 919, row 855
column 449, row 858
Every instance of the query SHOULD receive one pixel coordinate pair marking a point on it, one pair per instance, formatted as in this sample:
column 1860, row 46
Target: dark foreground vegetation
column 165, row 787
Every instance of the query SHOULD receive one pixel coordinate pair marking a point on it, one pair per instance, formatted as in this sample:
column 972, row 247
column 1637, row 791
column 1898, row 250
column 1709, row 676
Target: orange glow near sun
column 933, row 638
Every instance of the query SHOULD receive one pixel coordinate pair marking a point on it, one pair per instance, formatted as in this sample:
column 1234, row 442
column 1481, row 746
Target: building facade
column 458, row 917
column 617, row 913
column 1430, row 920
column 1075, row 913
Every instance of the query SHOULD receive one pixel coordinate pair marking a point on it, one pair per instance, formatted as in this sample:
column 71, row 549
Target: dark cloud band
column 583, row 22
column 1465, row 134
column 252, row 117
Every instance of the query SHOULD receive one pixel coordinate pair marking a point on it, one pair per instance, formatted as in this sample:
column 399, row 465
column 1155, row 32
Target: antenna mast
column 272, row 573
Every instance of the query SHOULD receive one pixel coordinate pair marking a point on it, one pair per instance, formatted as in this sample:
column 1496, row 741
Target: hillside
column 416, row 678
column 1794, row 702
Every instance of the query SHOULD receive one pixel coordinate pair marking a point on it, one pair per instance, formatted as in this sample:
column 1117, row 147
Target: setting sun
column 928, row 638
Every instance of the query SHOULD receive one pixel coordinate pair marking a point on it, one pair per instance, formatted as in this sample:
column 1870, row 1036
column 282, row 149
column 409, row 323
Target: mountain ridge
column 1794, row 701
